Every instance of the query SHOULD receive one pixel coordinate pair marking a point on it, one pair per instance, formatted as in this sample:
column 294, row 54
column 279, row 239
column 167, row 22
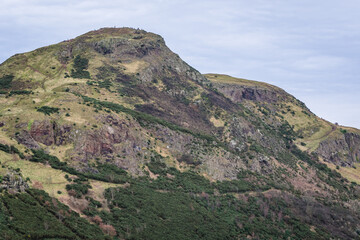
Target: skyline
column 309, row 49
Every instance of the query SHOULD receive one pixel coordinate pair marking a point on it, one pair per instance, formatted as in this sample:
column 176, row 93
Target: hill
column 116, row 129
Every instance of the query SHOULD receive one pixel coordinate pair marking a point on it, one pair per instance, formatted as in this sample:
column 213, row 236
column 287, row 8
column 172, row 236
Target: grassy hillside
column 119, row 129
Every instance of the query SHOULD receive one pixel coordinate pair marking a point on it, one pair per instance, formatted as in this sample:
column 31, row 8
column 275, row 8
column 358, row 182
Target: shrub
column 20, row 92
column 79, row 188
column 5, row 81
column 48, row 110
column 80, row 65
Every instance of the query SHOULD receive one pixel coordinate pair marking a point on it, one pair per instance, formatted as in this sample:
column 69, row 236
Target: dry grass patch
column 217, row 122
column 350, row 173
column 134, row 66
column 221, row 78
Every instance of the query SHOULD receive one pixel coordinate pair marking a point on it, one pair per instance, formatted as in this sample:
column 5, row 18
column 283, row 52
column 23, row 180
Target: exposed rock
column 27, row 140
column 343, row 151
column 50, row 133
column 13, row 182
column 238, row 93
column 43, row 132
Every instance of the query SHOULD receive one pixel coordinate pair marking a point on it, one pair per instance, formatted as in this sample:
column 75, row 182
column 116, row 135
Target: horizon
column 310, row 50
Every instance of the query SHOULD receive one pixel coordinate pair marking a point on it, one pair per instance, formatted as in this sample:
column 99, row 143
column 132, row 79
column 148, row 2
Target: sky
column 311, row 49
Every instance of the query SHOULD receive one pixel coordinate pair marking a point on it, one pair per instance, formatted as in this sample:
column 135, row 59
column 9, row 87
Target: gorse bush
column 48, row 110
column 20, row 92
column 80, row 66
column 11, row 150
column 79, row 188
column 35, row 215
column 5, row 81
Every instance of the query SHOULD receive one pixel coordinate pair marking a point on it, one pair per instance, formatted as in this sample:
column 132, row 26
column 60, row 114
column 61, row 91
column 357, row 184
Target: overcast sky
column 309, row 48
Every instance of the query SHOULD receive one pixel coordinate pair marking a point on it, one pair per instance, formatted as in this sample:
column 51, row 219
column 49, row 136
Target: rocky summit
column 111, row 135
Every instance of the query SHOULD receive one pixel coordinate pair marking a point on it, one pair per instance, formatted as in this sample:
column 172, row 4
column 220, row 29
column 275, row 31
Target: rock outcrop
column 13, row 182
column 343, row 151
column 238, row 93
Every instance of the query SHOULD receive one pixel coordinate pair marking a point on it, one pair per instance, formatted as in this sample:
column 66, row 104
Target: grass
column 217, row 122
column 221, row 78
column 134, row 66
column 350, row 173
column 52, row 180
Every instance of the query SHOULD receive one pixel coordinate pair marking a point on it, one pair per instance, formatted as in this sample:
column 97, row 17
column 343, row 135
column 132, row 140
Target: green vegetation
column 80, row 66
column 48, row 110
column 144, row 118
column 80, row 189
column 106, row 172
column 343, row 130
column 241, row 132
column 11, row 150
column 34, row 215
column 185, row 206
column 5, row 81
column 20, row 92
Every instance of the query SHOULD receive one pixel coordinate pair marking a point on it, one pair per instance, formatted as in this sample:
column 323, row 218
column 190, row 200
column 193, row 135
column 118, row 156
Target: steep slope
column 336, row 144
column 120, row 129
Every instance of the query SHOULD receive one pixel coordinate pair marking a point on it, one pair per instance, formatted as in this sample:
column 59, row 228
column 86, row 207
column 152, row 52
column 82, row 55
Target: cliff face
column 343, row 150
column 118, row 106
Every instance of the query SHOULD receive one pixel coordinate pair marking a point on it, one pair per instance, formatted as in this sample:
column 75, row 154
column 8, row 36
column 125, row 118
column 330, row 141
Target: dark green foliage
column 105, row 84
column 34, row 215
column 187, row 208
column 256, row 148
column 146, row 214
column 79, row 188
column 48, row 110
column 287, row 131
column 20, row 92
column 11, row 150
column 105, row 172
column 343, row 130
column 242, row 184
column 5, row 81
column 157, row 167
column 80, row 66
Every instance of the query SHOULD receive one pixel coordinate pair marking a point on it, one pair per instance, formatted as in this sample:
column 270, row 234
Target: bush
column 11, row 150
column 343, row 130
column 20, row 92
column 80, row 65
column 5, row 81
column 79, row 188
column 48, row 110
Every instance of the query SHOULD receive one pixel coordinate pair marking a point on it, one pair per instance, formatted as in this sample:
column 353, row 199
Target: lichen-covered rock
column 13, row 182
